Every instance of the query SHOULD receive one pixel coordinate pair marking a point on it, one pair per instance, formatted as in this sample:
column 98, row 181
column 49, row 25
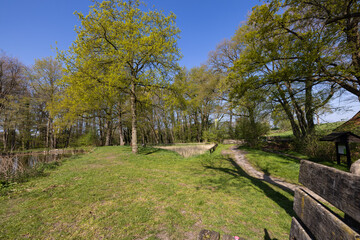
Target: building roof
column 341, row 137
column 352, row 125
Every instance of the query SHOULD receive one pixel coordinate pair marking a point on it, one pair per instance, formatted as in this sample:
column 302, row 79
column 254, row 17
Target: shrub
column 88, row 139
column 216, row 134
column 317, row 150
column 251, row 132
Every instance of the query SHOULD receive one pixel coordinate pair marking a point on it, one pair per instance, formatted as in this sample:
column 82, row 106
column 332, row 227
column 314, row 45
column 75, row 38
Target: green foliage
column 216, row 134
column 120, row 50
column 251, row 131
column 280, row 61
column 87, row 139
column 318, row 151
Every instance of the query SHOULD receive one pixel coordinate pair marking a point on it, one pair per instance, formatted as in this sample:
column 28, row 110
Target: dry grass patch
column 187, row 150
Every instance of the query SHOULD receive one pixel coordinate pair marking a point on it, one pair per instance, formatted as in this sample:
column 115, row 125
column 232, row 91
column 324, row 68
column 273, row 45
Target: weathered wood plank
column 320, row 221
column 208, row 235
column 340, row 188
column 297, row 232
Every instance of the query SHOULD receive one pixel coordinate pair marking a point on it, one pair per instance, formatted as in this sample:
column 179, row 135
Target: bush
column 251, row 132
column 216, row 135
column 317, row 150
column 88, row 139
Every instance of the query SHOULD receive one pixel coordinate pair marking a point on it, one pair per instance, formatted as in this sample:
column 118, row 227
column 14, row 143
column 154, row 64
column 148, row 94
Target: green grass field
column 283, row 167
column 321, row 129
column 157, row 194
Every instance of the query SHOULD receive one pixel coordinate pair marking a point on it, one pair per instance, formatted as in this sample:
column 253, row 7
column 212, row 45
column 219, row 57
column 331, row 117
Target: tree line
column 120, row 81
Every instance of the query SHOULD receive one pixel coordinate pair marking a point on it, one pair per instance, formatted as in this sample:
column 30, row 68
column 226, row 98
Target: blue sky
column 31, row 28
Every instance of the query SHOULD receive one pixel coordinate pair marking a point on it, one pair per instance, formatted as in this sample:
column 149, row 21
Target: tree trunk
column 285, row 105
column 67, row 142
column 54, row 140
column 309, row 110
column 12, row 139
column 189, row 128
column 101, row 130
column 5, row 138
column 134, row 146
column 198, row 126
column 298, row 111
column 47, row 140
column 230, row 124
column 108, row 132
column 121, row 132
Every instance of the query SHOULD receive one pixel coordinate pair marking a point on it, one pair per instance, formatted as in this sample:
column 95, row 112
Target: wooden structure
column 314, row 219
column 342, row 140
column 213, row 148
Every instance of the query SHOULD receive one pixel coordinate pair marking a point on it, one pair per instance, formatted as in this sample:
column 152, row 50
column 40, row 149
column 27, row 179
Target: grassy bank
column 280, row 166
column 320, row 129
column 113, row 194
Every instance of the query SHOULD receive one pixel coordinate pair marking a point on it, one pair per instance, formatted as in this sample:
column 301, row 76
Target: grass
column 157, row 194
column 280, row 166
column 274, row 164
column 280, row 133
column 320, row 129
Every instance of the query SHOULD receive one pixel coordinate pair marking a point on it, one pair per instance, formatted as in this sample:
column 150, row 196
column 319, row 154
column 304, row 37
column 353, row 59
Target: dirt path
column 240, row 159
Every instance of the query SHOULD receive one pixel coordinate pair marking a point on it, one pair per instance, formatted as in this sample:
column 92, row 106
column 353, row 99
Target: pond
column 12, row 164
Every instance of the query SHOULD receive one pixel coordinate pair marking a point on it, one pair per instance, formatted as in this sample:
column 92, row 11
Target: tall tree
column 124, row 47
column 45, row 75
column 12, row 88
column 341, row 21
column 284, row 58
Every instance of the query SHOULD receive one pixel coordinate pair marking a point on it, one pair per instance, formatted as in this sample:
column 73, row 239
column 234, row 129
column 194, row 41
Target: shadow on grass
column 148, row 150
column 295, row 159
column 262, row 153
column 277, row 197
column 267, row 235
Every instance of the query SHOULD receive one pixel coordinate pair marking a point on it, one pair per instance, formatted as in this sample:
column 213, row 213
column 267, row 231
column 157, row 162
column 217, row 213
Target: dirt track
column 240, row 159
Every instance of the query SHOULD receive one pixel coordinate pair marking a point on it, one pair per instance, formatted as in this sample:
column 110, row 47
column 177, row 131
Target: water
column 30, row 160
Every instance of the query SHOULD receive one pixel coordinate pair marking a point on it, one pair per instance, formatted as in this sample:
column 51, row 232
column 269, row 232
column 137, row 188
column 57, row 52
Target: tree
column 341, row 21
column 122, row 47
column 12, row 90
column 44, row 76
column 284, row 59
column 221, row 60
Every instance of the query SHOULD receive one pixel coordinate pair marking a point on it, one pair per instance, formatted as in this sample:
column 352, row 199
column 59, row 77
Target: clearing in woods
column 157, row 194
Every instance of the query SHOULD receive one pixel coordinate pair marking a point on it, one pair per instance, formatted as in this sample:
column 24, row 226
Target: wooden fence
column 326, row 191
column 315, row 220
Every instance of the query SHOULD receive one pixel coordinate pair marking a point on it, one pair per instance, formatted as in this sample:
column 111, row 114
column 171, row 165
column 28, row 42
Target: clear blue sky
column 31, row 28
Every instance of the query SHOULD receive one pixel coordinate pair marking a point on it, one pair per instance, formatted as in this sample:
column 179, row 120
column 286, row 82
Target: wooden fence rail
column 325, row 189
column 314, row 219
column 213, row 148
